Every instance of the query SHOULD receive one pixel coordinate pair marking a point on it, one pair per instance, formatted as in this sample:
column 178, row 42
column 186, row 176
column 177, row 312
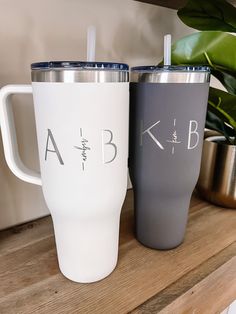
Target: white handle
column 9, row 134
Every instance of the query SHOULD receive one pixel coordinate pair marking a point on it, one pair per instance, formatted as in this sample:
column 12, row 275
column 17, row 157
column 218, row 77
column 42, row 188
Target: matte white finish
column 9, row 134
column 232, row 308
column 82, row 131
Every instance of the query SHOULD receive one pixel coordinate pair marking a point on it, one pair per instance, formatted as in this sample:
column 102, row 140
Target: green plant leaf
column 213, row 122
column 215, row 49
column 228, row 80
column 209, row 15
column 223, row 105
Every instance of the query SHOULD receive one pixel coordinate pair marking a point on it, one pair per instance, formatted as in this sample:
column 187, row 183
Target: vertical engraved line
column 103, row 148
column 141, row 133
column 81, row 134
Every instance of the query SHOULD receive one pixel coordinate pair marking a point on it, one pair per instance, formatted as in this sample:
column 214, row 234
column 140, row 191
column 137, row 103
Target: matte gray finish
column 164, row 162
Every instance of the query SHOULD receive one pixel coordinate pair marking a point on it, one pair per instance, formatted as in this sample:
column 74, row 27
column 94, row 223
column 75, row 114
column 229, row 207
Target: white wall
column 30, row 31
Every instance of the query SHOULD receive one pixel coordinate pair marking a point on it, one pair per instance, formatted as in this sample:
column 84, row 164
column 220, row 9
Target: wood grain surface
column 197, row 277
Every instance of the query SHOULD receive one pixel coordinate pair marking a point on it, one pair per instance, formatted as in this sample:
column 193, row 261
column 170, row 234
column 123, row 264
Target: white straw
column 91, row 43
column 167, row 49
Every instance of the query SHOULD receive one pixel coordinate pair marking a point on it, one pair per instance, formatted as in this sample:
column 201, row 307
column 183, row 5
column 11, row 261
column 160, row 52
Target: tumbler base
column 87, row 279
column 161, row 247
column 87, row 248
column 161, row 223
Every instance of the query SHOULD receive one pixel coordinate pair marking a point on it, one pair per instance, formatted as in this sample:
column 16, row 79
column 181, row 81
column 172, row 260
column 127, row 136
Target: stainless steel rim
column 170, row 77
column 83, row 76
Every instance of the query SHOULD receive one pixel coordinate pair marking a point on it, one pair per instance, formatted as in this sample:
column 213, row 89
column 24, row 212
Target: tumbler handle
column 9, row 134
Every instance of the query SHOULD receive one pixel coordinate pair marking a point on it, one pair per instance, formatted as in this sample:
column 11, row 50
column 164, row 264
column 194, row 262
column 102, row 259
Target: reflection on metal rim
column 171, row 77
column 83, row 76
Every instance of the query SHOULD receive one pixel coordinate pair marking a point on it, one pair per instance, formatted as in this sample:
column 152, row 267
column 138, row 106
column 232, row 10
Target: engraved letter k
column 148, row 131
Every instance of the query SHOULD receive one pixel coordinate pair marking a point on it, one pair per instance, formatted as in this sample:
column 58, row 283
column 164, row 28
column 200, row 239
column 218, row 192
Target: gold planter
column 217, row 180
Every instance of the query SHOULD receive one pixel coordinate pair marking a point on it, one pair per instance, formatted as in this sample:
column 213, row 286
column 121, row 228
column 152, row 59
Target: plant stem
column 209, row 60
column 226, row 115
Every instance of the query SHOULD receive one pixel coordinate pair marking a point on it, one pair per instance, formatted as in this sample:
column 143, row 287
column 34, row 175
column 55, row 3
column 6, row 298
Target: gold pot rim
column 217, row 180
column 213, row 140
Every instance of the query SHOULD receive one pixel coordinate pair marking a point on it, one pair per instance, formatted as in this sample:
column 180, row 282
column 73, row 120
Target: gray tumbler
column 167, row 118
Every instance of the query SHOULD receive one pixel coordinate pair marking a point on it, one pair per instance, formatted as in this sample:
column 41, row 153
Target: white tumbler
column 81, row 113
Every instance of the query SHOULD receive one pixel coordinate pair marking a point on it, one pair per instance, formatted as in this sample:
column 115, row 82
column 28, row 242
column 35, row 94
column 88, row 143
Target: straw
column 91, row 43
column 167, row 49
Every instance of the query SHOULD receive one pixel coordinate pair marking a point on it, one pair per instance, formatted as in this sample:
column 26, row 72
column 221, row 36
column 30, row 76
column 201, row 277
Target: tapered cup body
column 82, row 130
column 167, row 118
column 81, row 112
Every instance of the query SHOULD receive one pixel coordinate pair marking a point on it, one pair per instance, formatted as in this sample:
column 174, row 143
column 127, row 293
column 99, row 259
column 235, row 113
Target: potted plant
column 216, row 47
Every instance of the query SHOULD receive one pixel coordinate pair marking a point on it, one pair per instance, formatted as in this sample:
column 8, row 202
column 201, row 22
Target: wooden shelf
column 197, row 277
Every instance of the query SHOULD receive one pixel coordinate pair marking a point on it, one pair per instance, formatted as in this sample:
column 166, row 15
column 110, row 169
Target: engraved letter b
column 108, row 143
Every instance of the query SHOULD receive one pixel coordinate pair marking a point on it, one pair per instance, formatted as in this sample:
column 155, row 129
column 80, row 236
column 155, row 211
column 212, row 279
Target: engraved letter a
column 55, row 150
